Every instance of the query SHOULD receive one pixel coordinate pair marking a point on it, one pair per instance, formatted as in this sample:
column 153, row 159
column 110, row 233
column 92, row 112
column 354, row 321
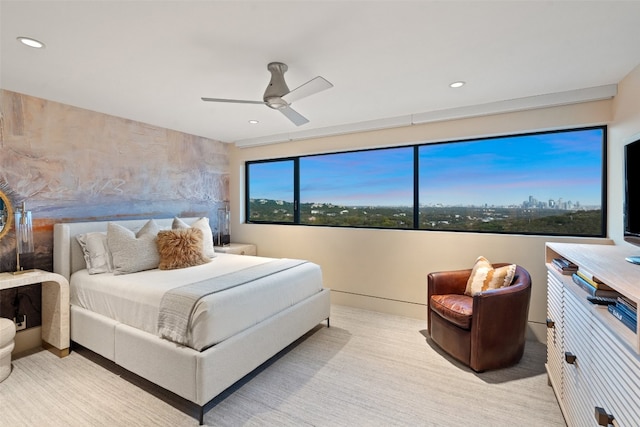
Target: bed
column 231, row 331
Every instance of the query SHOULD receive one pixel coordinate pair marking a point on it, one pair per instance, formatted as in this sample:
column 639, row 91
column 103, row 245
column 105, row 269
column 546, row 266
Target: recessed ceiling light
column 28, row 41
column 253, row 122
column 457, row 84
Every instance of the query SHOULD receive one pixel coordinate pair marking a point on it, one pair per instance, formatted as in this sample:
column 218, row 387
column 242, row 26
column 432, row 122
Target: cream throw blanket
column 178, row 304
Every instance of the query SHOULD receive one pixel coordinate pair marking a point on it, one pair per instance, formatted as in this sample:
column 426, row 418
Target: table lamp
column 24, row 235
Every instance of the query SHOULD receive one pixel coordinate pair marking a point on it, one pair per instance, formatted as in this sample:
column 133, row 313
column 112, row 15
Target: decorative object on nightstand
column 223, row 233
column 7, row 333
column 237, row 249
column 24, row 235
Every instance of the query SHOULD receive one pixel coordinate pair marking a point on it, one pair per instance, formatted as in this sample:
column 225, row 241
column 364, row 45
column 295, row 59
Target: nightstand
column 55, row 306
column 237, row 249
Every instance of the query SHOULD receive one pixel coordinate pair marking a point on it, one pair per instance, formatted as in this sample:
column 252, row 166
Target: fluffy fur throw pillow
column 484, row 276
column 180, row 248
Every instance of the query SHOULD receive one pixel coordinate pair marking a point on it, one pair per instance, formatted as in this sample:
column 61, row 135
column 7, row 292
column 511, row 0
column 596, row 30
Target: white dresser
column 593, row 360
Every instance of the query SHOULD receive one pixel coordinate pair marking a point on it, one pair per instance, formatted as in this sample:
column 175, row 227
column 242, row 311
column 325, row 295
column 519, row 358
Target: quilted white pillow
column 133, row 252
column 207, row 235
column 484, row 276
column 96, row 252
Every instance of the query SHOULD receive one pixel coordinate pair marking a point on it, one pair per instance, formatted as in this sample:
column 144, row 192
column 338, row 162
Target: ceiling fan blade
column 314, row 85
column 236, row 101
column 297, row 118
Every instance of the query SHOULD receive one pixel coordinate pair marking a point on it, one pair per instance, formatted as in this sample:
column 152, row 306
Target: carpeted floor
column 367, row 369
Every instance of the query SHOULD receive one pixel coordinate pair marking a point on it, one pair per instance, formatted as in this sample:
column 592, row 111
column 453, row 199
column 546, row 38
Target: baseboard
column 27, row 339
column 535, row 331
column 383, row 305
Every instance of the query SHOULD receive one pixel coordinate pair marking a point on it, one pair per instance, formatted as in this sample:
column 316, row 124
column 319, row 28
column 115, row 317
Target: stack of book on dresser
column 593, row 285
column 621, row 307
column 625, row 311
column 564, row 266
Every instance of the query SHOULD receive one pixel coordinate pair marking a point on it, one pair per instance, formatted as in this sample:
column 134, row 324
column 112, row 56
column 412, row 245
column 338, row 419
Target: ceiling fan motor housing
column 277, row 86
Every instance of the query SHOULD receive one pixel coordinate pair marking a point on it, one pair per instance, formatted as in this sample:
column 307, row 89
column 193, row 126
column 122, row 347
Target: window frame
column 296, row 191
column 364, row 150
column 416, row 184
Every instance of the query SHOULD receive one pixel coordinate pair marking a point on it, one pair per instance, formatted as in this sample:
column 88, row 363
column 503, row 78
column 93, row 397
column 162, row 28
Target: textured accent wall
column 71, row 164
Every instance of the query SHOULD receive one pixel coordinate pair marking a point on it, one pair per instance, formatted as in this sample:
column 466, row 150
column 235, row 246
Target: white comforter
column 134, row 299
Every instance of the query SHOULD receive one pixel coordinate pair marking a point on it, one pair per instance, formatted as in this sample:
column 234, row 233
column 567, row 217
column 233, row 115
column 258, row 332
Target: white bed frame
column 193, row 375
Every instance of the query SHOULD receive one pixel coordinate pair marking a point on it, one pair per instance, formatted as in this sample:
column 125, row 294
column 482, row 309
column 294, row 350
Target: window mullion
column 296, row 190
column 416, row 187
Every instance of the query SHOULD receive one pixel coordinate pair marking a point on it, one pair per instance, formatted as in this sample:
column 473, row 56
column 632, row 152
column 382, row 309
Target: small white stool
column 7, row 333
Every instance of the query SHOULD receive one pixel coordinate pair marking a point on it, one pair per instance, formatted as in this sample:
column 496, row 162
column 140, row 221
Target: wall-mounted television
column 632, row 196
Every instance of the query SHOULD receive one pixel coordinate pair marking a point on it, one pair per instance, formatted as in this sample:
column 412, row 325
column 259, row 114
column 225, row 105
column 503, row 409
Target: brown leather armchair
column 486, row 331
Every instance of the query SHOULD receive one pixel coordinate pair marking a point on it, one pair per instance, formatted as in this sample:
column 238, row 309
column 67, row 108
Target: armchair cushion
column 457, row 309
column 484, row 276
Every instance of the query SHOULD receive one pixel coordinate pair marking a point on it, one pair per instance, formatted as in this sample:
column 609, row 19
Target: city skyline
column 559, row 204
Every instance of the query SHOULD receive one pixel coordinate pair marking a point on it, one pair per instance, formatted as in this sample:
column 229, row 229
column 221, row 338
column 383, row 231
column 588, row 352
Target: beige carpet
column 368, row 369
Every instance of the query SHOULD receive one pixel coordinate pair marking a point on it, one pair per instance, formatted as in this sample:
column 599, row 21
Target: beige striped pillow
column 484, row 276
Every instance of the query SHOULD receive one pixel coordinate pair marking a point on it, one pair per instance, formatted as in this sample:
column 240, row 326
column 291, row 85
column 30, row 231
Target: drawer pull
column 569, row 357
column 550, row 323
column 602, row 418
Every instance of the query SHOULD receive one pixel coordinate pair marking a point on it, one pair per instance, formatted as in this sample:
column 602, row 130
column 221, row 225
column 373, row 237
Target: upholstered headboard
column 67, row 254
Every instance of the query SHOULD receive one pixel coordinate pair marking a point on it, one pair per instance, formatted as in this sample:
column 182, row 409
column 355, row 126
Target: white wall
column 386, row 270
column 624, row 129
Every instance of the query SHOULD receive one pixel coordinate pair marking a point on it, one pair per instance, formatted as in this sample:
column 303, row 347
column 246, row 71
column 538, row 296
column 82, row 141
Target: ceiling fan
column 279, row 97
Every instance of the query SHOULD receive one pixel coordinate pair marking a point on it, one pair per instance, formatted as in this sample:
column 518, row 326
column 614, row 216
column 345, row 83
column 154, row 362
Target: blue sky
column 272, row 180
column 497, row 171
column 374, row 177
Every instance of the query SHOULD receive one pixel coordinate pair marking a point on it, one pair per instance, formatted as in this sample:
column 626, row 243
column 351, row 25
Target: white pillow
column 207, row 235
column 96, row 252
column 133, row 252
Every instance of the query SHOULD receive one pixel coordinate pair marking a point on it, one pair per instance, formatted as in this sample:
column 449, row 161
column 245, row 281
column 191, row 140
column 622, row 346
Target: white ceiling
column 390, row 62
